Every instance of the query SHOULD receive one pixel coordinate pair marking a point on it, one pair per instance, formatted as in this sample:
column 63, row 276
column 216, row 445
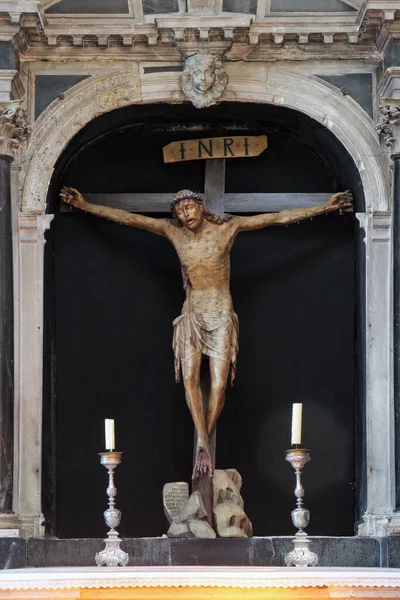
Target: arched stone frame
column 100, row 94
column 256, row 83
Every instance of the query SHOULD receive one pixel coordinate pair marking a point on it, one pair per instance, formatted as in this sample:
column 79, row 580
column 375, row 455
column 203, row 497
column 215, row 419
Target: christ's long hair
column 209, row 216
column 216, row 219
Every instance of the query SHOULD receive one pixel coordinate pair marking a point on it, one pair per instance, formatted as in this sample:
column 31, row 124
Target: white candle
column 296, row 423
column 110, row 434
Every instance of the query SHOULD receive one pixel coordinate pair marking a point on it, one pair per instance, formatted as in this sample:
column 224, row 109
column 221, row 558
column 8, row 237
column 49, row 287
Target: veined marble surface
column 244, row 577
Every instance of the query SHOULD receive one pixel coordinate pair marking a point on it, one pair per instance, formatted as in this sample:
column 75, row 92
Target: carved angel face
column 204, row 79
column 204, row 75
column 19, row 117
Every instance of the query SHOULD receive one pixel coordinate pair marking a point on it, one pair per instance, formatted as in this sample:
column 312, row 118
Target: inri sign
column 237, row 146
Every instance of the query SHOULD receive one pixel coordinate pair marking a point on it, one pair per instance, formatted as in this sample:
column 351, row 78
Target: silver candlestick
column 301, row 555
column 112, row 555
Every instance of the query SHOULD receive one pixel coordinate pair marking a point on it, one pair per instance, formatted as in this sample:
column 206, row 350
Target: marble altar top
column 228, row 577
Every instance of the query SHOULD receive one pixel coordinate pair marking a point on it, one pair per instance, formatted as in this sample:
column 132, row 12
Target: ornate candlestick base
column 301, row 555
column 112, row 555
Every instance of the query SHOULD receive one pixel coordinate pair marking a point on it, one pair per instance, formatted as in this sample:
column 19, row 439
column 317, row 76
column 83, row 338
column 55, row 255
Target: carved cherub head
column 204, row 79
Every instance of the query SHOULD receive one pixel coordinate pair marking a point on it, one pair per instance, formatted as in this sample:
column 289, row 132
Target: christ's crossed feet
column 203, row 464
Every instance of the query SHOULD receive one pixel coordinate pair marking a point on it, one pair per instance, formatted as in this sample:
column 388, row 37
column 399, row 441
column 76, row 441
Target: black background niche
column 112, row 293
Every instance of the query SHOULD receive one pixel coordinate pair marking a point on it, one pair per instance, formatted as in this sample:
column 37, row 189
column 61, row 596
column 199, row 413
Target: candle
column 110, row 434
column 296, row 423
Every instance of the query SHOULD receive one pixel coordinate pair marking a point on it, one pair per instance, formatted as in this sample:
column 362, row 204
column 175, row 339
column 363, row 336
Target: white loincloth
column 212, row 334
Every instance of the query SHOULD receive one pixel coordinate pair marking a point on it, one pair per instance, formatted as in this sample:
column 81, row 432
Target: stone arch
column 100, row 94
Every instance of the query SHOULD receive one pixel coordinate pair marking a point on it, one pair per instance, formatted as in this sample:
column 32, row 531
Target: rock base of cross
column 187, row 515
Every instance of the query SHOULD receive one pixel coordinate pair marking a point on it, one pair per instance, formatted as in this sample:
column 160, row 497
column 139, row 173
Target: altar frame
column 117, row 86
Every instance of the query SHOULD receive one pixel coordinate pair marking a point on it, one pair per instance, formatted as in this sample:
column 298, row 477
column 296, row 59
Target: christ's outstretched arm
column 285, row 217
column 75, row 198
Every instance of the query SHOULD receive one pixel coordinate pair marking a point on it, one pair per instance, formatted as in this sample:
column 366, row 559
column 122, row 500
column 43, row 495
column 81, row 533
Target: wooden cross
column 217, row 200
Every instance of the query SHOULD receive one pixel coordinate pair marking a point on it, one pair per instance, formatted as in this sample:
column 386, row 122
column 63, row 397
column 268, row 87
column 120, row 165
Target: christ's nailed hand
column 72, row 197
column 341, row 200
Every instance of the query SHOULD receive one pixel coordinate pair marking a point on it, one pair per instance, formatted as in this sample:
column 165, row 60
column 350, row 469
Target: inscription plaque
column 174, row 497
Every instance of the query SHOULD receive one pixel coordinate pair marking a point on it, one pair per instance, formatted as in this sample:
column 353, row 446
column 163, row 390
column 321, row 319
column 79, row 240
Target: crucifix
column 203, row 233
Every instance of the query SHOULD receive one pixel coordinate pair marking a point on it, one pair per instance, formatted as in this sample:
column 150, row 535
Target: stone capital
column 14, row 129
column 388, row 126
column 374, row 526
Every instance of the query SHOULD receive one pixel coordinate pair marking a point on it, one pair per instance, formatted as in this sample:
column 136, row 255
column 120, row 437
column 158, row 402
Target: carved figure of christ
column 208, row 325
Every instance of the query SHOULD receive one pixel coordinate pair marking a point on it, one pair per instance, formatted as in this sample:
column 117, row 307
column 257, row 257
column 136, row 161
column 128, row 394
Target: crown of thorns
column 186, row 195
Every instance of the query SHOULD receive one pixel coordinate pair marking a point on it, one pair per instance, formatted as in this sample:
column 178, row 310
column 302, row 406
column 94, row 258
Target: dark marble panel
column 218, row 552
column 392, row 54
column 347, row 551
column 332, row 552
column 63, row 553
column 257, row 552
column 8, row 59
column 160, row 6
column 244, row 6
column 309, row 6
column 270, row 552
column 393, row 551
column 81, row 552
column 148, row 551
column 48, row 87
column 167, row 69
column 89, row 7
column 12, row 553
column 356, row 85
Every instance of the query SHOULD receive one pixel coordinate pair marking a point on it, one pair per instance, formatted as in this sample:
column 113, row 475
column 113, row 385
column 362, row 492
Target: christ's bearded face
column 190, row 214
column 203, row 77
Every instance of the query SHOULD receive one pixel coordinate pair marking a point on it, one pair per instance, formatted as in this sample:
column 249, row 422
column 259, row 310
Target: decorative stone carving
column 388, row 124
column 14, row 130
column 230, row 518
column 186, row 517
column 204, row 79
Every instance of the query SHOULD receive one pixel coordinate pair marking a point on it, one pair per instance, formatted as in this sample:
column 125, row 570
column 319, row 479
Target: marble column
column 13, row 130
column 389, row 131
column 6, row 338
column 396, row 314
column 379, row 488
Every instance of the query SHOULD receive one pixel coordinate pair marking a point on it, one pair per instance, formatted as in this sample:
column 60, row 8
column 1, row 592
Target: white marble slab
column 244, row 577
